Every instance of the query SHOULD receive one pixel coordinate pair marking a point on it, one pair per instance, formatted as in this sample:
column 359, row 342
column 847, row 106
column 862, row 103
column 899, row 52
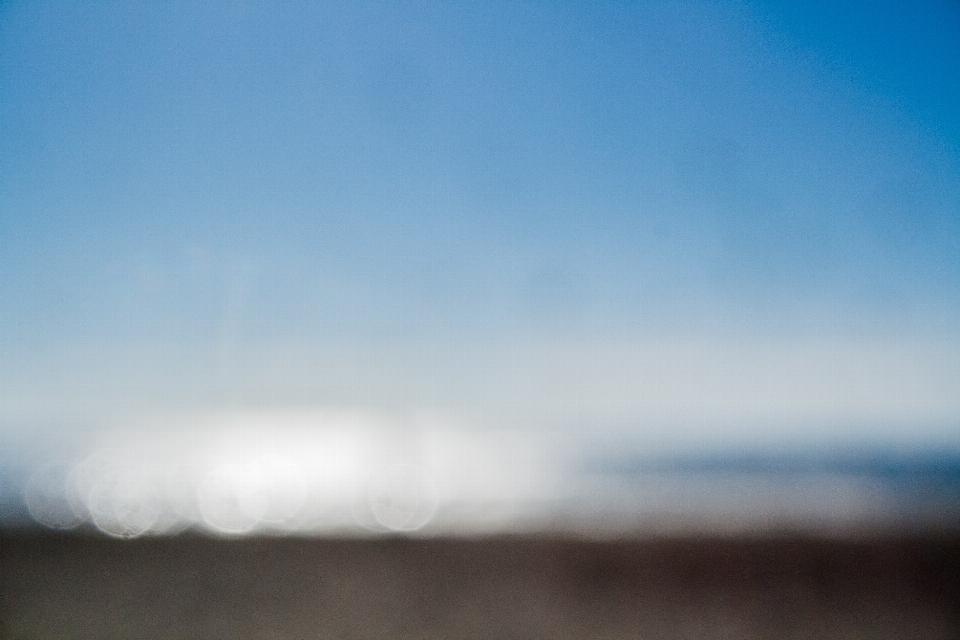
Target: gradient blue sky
column 224, row 175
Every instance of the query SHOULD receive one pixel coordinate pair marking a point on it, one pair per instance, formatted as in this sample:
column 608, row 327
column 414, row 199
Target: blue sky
column 182, row 178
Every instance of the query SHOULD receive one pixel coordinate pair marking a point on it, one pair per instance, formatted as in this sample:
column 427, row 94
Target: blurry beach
column 504, row 320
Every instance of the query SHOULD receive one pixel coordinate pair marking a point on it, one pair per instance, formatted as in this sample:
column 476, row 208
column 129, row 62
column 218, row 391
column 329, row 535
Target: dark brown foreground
column 507, row 588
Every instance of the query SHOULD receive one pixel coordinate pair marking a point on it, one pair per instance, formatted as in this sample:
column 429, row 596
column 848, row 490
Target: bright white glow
column 226, row 502
column 306, row 472
column 124, row 507
column 237, row 498
column 123, row 492
column 402, row 498
column 276, row 490
column 340, row 471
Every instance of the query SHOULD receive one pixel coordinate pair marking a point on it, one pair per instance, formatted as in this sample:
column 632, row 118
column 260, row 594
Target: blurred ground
column 75, row 586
